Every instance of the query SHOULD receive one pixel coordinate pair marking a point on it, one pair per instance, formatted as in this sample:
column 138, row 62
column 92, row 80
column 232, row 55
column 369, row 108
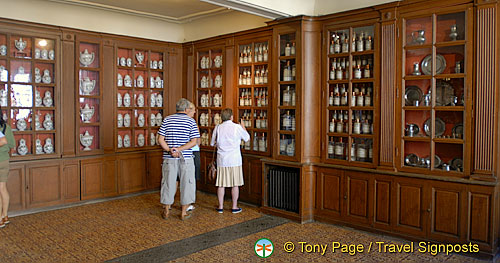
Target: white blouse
column 229, row 136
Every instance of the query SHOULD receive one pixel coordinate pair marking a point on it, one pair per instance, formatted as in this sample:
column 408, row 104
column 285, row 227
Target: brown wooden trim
column 387, row 94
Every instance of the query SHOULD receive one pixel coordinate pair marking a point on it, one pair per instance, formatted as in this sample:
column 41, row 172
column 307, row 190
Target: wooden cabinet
column 251, row 191
column 154, row 165
column 344, row 195
column 71, row 180
column 16, row 185
column 44, row 184
column 132, row 172
column 351, row 92
column 98, row 178
column 436, row 99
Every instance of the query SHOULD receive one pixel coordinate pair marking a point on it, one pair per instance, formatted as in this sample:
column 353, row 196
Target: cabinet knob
column 428, row 210
column 345, row 197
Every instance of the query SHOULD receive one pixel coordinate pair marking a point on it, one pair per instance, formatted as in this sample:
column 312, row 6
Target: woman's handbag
column 212, row 167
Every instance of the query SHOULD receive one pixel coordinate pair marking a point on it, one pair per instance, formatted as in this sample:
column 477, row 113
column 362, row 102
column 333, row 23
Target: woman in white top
column 228, row 136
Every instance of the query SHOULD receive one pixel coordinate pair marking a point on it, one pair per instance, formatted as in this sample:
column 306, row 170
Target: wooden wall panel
column 387, row 89
column 108, row 96
column 332, row 192
column 91, row 178
column 479, row 213
column 175, row 91
column 44, row 184
column 16, row 185
column 71, row 181
column 486, row 89
column 109, row 180
column 256, row 178
column 155, row 160
column 382, row 201
column 132, row 172
column 411, row 206
column 446, row 216
column 357, row 202
column 68, row 95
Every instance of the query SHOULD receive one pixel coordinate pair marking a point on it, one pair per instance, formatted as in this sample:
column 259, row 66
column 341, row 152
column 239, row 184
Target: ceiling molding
column 170, row 19
column 249, row 8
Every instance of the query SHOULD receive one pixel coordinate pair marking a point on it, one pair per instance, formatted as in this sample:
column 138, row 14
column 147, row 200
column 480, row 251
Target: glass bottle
column 353, row 99
column 339, row 74
column 368, row 43
column 332, row 71
column 353, row 43
column 356, row 127
column 286, row 96
column 367, row 71
column 290, row 148
column 255, row 142
column 330, row 99
column 339, row 149
column 337, row 46
column 343, row 99
column 340, row 126
column 357, row 72
column 287, row 49
column 353, row 151
column 263, row 143
column 336, row 99
column 293, row 72
column 331, row 127
column 366, row 127
column 283, row 144
column 345, row 46
column 362, row 153
column 360, row 99
column 292, row 97
column 368, row 99
column 292, row 123
column 330, row 148
column 292, row 49
column 360, row 43
column 332, row 48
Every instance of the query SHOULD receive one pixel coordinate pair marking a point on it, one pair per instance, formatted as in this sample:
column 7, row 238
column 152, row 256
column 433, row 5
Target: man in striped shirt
column 178, row 134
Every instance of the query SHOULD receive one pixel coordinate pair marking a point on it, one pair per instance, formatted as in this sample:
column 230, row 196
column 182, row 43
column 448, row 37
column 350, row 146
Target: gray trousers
column 185, row 170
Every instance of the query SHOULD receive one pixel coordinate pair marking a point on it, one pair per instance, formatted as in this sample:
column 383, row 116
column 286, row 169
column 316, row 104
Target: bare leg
column 235, row 193
column 184, row 214
column 220, row 196
column 165, row 211
column 5, row 198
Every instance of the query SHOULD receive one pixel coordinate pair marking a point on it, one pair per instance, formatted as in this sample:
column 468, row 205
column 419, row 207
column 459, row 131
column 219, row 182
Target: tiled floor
column 105, row 231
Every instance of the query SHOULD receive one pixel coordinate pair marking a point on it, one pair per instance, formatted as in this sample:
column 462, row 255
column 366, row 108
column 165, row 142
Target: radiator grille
column 283, row 189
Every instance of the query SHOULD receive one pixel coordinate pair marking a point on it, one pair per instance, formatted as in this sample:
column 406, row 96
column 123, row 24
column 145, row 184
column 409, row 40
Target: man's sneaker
column 190, row 208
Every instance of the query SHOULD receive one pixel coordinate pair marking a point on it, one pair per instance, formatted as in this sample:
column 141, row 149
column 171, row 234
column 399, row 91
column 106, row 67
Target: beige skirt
column 229, row 176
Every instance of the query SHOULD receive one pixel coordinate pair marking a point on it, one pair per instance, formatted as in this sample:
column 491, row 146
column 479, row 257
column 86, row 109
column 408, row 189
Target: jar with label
column 337, row 46
column 345, row 46
column 330, row 148
column 367, row 72
column 368, row 100
column 292, row 49
column 353, row 43
column 332, row 72
column 283, row 144
column 292, row 125
column 360, row 99
column 331, row 127
column 339, row 149
column 286, row 96
column 263, row 143
column 343, row 99
column 366, row 127
column 359, row 43
column 332, row 49
column 339, row 75
column 290, row 148
column 357, row 72
column 353, row 99
column 255, row 142
column 362, row 153
column 330, row 99
column 340, row 126
column 368, row 43
column 353, row 151
column 356, row 129
column 293, row 97
column 287, row 49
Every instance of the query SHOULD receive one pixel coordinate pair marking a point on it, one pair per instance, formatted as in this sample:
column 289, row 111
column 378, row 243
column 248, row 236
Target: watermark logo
column 264, row 248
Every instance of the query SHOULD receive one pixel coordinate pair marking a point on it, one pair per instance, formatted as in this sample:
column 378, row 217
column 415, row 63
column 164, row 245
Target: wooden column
column 387, row 88
column 68, row 95
column 486, row 97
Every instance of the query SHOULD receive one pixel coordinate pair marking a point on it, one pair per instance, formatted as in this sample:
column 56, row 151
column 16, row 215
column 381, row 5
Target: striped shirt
column 178, row 129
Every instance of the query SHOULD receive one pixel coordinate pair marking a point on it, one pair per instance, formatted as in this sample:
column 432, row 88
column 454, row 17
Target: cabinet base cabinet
column 155, row 161
column 16, row 186
column 414, row 208
column 132, row 172
column 98, row 178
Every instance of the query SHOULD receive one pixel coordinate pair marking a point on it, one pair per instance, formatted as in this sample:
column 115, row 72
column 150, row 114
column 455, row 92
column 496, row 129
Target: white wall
column 222, row 24
column 324, row 7
column 91, row 19
column 291, row 7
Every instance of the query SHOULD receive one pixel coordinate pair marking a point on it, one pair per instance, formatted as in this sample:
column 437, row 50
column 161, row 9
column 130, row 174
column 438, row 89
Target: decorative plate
column 412, row 159
column 426, row 64
column 444, row 93
column 457, row 163
column 412, row 94
column 458, row 129
column 440, row 127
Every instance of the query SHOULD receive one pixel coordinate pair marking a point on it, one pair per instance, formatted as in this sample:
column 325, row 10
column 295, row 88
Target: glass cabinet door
column 351, row 89
column 435, row 68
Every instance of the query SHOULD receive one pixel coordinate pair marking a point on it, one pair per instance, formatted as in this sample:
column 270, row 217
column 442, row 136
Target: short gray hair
column 182, row 105
column 226, row 114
